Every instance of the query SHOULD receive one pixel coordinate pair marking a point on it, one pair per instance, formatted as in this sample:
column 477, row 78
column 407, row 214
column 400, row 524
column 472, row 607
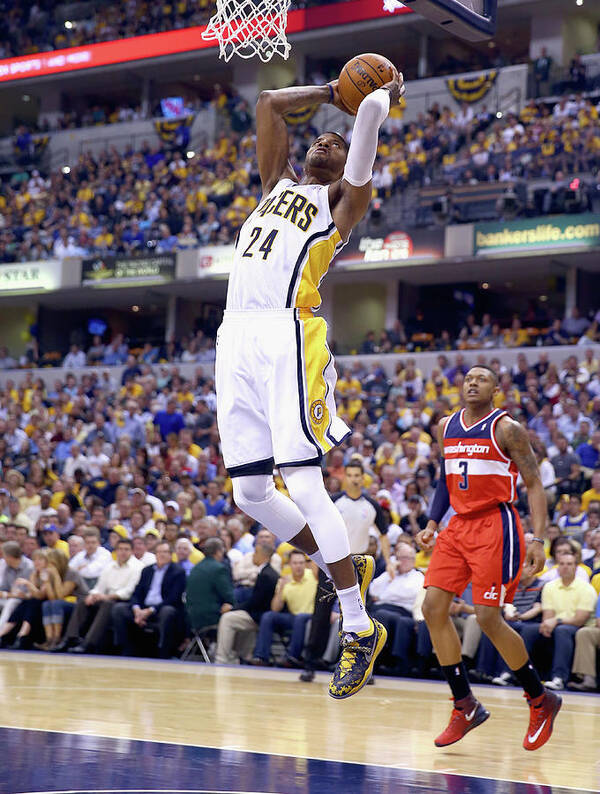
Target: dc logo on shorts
column 317, row 411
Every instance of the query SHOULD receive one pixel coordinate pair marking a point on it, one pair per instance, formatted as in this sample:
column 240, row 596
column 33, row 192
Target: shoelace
column 329, row 595
column 351, row 648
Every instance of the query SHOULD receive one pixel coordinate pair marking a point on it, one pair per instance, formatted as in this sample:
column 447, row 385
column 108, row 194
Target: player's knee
column 434, row 612
column 489, row 619
column 251, row 491
column 304, row 485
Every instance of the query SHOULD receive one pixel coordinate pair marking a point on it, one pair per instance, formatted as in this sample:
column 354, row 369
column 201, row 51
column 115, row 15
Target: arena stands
column 164, row 199
column 139, row 459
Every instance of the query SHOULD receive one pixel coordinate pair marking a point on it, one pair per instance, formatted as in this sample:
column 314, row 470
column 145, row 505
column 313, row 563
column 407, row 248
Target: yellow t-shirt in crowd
column 565, row 600
column 299, row 597
column 589, row 496
column 62, row 545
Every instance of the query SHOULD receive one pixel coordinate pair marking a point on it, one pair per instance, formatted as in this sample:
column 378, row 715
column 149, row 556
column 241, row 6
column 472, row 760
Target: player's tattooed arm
column 514, row 442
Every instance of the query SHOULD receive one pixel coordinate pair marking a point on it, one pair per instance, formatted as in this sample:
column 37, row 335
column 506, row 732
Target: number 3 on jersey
column 267, row 243
column 464, row 471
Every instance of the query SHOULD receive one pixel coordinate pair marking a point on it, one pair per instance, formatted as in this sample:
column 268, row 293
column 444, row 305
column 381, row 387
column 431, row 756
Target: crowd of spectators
column 536, row 328
column 542, row 141
column 155, row 199
column 166, row 199
column 114, row 502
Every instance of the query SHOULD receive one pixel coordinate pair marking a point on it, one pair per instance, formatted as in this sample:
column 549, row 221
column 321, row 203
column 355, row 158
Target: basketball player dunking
column 274, row 372
column 483, row 451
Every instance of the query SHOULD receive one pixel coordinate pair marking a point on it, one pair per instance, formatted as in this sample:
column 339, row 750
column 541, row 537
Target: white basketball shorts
column 275, row 381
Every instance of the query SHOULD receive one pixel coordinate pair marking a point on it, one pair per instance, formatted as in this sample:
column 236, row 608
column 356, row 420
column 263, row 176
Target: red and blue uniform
column 483, row 543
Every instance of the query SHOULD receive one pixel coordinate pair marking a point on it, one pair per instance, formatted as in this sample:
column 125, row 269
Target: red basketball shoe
column 467, row 714
column 542, row 713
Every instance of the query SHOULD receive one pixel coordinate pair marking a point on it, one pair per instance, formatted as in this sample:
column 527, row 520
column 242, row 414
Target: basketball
column 362, row 75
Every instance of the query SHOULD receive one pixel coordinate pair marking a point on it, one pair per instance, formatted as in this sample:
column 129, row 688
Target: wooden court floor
column 247, row 710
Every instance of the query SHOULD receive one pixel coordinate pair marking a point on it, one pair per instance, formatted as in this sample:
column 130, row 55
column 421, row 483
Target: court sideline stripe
column 274, row 755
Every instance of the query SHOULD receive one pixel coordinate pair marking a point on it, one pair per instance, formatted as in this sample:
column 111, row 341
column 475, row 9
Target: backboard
column 473, row 20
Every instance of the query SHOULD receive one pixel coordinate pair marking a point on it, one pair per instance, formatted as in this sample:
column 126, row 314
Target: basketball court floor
column 104, row 724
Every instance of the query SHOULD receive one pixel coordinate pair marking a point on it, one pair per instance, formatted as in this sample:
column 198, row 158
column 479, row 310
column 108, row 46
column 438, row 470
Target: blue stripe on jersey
column 481, row 429
column 511, row 546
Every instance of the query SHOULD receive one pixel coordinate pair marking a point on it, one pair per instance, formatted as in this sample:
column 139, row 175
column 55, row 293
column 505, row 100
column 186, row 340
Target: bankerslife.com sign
column 554, row 232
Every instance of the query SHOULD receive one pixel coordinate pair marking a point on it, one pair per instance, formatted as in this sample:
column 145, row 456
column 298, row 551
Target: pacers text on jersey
column 298, row 210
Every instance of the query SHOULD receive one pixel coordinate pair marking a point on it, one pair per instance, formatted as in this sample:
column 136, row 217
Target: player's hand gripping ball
column 364, row 74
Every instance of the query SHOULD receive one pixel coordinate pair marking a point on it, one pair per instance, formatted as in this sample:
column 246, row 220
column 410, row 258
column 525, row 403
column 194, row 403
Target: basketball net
column 250, row 27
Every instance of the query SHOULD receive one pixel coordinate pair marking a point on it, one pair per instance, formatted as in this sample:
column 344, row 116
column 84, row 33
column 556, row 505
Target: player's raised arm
column 272, row 142
column 514, row 442
column 349, row 198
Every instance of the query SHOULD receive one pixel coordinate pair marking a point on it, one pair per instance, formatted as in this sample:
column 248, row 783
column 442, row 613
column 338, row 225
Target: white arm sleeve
column 372, row 112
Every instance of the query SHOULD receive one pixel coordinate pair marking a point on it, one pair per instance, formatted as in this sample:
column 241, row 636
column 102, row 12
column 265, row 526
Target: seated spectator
column 215, row 502
column 91, row 619
column 587, row 643
column 156, row 604
column 237, row 631
column 186, row 554
column 574, row 522
column 26, row 618
column 591, row 554
column 560, row 547
column 93, row 560
column 296, row 595
column 141, row 553
column 246, row 570
column 52, row 539
column 209, row 591
column 58, row 606
column 76, row 545
column 397, row 604
column 593, row 493
column 75, row 358
column 567, row 467
column 416, row 519
column 567, row 604
column 13, row 565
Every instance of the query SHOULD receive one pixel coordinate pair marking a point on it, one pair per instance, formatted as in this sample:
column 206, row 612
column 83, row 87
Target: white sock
column 354, row 614
column 317, row 558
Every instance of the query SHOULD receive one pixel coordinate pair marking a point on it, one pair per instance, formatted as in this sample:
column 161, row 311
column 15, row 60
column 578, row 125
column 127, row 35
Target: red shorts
column 485, row 548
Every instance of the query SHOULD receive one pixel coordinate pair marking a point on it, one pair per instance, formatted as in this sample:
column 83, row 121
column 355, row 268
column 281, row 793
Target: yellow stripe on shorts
column 316, row 358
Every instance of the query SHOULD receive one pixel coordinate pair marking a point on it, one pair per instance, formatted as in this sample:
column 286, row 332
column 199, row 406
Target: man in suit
column 209, row 592
column 156, row 603
column 238, row 627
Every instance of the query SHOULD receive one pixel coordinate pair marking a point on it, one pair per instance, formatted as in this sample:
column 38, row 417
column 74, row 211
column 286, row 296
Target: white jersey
column 284, row 250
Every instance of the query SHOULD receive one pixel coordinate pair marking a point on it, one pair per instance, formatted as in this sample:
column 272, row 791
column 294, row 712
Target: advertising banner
column 214, row 260
column 31, row 277
column 555, row 232
column 175, row 41
column 122, row 271
column 392, row 249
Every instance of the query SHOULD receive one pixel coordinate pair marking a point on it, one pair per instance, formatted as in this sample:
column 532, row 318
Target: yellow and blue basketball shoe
column 355, row 667
column 359, row 651
column 365, row 568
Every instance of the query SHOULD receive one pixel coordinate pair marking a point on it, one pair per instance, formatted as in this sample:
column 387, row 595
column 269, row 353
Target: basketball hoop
column 250, row 27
